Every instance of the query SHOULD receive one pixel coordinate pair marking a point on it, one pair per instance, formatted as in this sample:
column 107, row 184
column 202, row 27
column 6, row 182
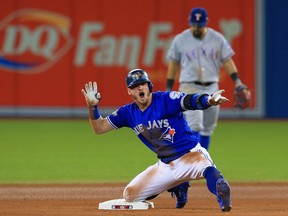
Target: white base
column 121, row 204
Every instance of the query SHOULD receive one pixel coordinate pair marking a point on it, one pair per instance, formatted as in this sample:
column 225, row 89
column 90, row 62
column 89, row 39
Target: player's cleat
column 181, row 193
column 223, row 195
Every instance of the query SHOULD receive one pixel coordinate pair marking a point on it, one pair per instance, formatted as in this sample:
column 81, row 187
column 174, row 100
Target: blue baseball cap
column 198, row 17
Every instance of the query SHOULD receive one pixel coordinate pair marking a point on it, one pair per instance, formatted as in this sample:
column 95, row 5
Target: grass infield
column 67, row 151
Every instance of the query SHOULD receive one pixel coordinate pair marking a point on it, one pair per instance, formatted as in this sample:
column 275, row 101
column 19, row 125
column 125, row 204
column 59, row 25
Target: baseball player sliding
column 157, row 119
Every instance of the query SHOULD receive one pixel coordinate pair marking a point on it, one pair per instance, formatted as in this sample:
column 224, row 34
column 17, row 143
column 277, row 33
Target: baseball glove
column 242, row 97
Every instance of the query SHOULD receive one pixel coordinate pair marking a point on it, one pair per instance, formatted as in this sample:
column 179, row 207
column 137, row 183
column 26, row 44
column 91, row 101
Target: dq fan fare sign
column 47, row 55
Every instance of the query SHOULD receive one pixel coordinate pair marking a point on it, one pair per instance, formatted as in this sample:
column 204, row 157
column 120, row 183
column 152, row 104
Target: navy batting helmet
column 138, row 76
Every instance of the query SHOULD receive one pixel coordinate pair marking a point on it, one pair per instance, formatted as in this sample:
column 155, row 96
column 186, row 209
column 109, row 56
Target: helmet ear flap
column 150, row 86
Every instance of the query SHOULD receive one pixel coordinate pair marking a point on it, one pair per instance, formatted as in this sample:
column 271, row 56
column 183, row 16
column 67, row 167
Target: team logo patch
column 175, row 95
column 136, row 76
column 168, row 134
column 198, row 16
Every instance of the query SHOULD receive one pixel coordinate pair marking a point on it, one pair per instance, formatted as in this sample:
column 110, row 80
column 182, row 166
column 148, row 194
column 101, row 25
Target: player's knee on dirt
column 129, row 194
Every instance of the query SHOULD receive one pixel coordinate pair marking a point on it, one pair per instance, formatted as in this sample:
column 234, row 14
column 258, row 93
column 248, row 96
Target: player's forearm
column 92, row 97
column 96, row 125
column 171, row 74
column 172, row 69
column 96, row 120
column 230, row 66
column 204, row 101
column 196, row 102
column 231, row 69
column 93, row 112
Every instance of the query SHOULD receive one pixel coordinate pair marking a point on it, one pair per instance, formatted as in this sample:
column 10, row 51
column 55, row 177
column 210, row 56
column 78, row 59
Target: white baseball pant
column 161, row 177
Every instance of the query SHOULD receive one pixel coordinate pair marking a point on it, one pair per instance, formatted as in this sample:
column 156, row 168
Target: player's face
column 141, row 94
column 198, row 31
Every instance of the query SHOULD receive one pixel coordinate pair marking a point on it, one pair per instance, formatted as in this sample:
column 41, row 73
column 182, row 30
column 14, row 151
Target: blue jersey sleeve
column 196, row 102
column 178, row 101
column 173, row 101
column 119, row 118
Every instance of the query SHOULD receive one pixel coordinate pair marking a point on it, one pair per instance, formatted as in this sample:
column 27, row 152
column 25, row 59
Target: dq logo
column 31, row 41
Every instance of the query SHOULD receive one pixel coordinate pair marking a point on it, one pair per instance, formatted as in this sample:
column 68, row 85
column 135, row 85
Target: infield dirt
column 265, row 199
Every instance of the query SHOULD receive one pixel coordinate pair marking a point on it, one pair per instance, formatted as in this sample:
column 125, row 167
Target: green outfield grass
column 67, row 151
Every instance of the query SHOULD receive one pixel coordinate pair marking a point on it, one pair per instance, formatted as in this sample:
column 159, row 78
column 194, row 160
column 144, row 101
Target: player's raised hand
column 91, row 94
column 216, row 98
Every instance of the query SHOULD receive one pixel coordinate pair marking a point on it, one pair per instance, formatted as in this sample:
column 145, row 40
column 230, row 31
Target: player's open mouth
column 141, row 94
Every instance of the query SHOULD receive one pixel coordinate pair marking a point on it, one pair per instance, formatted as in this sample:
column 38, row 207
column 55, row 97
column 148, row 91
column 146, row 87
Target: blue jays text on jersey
column 161, row 126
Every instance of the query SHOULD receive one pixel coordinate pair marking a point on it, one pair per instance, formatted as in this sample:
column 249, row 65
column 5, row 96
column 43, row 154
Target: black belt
column 203, row 83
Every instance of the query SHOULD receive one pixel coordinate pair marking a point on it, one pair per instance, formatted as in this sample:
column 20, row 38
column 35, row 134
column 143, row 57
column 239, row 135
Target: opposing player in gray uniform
column 198, row 52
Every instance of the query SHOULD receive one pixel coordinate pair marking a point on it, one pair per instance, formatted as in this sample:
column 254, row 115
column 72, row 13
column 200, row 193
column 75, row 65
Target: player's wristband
column 169, row 84
column 203, row 102
column 196, row 101
column 234, row 76
column 96, row 113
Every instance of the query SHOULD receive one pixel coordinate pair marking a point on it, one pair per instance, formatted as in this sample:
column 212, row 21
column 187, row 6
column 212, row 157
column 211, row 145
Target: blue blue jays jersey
column 161, row 126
